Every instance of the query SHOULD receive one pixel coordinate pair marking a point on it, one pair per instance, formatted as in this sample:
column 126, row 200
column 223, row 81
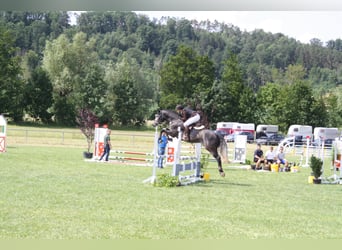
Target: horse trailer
column 243, row 127
column 225, row 127
column 325, row 133
column 300, row 131
column 264, row 129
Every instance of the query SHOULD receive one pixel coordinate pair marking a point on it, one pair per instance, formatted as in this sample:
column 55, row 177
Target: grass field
column 50, row 192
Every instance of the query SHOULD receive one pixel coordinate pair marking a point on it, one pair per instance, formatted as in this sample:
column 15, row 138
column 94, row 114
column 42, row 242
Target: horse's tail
column 223, row 150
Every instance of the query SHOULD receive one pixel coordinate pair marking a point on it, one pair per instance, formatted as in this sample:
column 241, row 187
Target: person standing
column 162, row 142
column 107, row 146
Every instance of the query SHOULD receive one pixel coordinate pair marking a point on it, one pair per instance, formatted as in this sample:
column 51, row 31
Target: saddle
column 193, row 130
column 197, row 127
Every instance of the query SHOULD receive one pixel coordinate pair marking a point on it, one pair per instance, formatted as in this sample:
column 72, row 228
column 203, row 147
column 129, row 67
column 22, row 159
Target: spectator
column 281, row 159
column 258, row 157
column 270, row 156
column 162, row 142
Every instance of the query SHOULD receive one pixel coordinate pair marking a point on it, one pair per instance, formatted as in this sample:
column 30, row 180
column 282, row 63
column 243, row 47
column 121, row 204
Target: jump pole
column 307, row 152
column 195, row 164
column 153, row 178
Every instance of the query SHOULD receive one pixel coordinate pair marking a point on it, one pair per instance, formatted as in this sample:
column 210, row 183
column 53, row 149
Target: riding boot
column 186, row 136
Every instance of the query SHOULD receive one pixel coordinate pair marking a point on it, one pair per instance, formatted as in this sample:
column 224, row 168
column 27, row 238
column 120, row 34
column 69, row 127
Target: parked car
column 231, row 137
column 270, row 139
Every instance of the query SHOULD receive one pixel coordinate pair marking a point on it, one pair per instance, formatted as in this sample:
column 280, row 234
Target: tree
column 217, row 103
column 300, row 106
column 268, row 104
column 294, row 73
column 223, row 101
column 334, row 107
column 76, row 76
column 247, row 106
column 38, row 95
column 130, row 92
column 148, row 39
column 86, row 121
column 58, row 62
column 32, row 29
column 187, row 76
column 11, row 85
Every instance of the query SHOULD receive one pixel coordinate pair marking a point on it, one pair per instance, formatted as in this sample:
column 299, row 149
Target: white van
column 300, row 131
column 325, row 133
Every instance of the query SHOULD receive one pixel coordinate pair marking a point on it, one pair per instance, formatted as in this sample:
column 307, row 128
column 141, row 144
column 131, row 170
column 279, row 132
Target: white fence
column 72, row 137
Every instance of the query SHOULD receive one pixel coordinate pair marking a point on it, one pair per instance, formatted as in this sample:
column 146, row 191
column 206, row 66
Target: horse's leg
column 217, row 157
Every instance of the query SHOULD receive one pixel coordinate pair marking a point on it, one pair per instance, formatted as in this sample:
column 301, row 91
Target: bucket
column 206, row 176
column 310, row 179
column 274, row 168
column 294, row 169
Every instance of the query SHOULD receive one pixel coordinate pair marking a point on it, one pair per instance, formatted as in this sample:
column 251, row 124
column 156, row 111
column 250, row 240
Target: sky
column 301, row 25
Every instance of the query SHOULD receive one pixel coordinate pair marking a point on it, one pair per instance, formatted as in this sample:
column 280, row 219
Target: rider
column 189, row 117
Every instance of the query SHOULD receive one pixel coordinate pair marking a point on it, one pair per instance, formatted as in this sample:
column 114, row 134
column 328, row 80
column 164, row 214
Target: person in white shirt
column 270, row 156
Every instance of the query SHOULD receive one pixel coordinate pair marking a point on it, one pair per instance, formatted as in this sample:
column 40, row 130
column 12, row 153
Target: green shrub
column 166, row 180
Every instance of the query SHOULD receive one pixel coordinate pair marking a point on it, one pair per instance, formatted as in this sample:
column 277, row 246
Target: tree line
column 124, row 67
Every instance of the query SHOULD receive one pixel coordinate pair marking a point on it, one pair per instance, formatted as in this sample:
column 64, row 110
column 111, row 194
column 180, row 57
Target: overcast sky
column 301, row 25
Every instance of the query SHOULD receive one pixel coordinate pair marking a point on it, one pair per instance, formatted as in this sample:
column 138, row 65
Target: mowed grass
column 52, row 193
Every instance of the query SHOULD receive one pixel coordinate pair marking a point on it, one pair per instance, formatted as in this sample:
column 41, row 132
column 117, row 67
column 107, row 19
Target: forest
column 122, row 67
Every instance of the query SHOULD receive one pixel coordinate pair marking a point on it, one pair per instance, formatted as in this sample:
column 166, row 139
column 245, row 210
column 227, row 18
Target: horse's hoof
column 222, row 174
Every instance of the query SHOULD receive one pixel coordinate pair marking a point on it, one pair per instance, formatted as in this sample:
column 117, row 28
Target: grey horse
column 214, row 143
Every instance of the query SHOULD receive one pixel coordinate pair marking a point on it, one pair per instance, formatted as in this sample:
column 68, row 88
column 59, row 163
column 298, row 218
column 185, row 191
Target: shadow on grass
column 228, row 182
column 222, row 181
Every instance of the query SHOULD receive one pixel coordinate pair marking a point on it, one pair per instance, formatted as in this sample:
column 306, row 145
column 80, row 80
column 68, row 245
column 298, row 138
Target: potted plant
column 86, row 121
column 316, row 165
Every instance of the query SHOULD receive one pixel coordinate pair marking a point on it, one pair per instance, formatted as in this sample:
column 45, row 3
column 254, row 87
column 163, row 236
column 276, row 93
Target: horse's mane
column 171, row 114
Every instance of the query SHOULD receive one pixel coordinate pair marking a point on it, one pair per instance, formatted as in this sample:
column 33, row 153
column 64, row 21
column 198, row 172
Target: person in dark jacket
column 107, row 146
column 258, row 157
column 189, row 117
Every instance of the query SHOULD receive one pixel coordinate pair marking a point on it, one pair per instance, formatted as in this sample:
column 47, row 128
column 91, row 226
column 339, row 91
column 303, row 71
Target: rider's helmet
column 179, row 107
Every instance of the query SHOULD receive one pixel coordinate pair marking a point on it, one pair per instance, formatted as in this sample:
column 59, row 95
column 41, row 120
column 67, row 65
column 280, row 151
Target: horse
column 214, row 143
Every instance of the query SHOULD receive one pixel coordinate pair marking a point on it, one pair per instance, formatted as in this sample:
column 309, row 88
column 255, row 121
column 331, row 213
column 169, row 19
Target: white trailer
column 267, row 128
column 263, row 129
column 225, row 126
column 240, row 127
column 325, row 133
column 300, row 130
